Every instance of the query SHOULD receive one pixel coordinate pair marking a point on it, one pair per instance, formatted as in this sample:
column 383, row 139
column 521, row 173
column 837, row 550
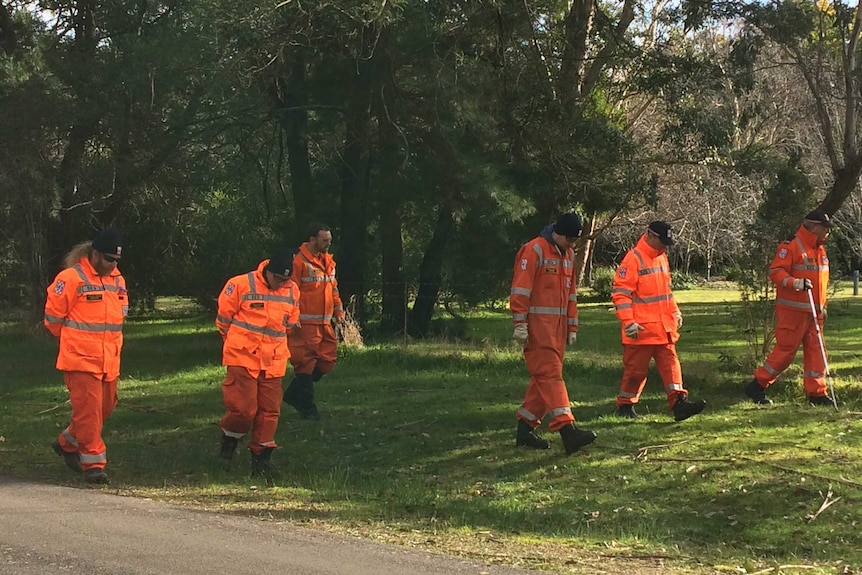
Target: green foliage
column 603, row 282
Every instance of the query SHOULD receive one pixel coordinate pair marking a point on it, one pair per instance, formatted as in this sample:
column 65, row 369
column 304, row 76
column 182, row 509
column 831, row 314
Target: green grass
column 416, row 447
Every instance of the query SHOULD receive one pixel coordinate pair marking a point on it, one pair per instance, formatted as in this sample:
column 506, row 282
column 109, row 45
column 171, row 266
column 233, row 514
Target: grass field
column 417, row 447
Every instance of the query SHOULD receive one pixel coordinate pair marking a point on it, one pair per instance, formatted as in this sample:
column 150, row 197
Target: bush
column 603, row 282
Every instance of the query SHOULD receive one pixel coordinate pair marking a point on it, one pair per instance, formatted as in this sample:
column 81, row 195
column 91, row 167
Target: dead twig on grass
column 58, row 406
column 780, row 567
column 827, row 503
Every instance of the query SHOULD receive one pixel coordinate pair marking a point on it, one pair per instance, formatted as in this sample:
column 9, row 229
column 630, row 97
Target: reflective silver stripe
column 770, row 369
column 69, row 438
column 674, row 387
column 652, row 299
column 810, row 268
column 623, row 306
column 786, row 281
column 519, row 317
column 84, row 326
column 628, row 395
column 334, row 288
column 567, row 264
column 232, row 433
column 541, row 310
column 81, row 274
column 648, row 271
column 560, row 411
column 267, row 297
column 816, row 374
column 622, row 291
column 309, row 317
column 795, row 304
column 573, row 297
column 267, row 443
column 639, row 257
column 526, row 414
column 337, row 308
column 522, row 291
column 98, row 458
column 801, row 248
column 315, row 279
column 224, row 319
column 573, row 321
column 550, row 262
column 251, row 287
column 258, row 329
column 538, row 251
column 53, row 318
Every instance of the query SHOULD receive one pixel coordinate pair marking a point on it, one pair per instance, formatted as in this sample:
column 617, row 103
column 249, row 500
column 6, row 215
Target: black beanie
column 281, row 262
column 109, row 242
column 569, row 225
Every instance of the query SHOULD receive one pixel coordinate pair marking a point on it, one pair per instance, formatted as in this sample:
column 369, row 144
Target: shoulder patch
column 782, row 253
column 622, row 272
column 228, row 291
column 523, row 263
column 59, row 287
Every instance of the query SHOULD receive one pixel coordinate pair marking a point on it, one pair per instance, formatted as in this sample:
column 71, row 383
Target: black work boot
column 226, row 451
column 756, row 393
column 574, row 438
column 626, row 410
column 526, row 437
column 96, row 475
column 73, row 460
column 300, row 395
column 821, row 400
column 261, row 466
column 683, row 408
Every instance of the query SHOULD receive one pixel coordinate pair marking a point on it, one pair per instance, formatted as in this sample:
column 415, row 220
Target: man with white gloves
column 544, row 308
column 650, row 320
column 800, row 264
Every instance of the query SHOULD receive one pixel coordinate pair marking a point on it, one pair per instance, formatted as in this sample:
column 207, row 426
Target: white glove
column 521, row 335
column 800, row 284
column 632, row 330
column 573, row 338
column 678, row 317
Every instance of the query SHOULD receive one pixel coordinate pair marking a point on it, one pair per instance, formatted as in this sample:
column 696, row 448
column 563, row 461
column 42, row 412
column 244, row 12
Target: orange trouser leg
column 668, row 366
column 790, row 328
column 313, row 346
column 813, row 367
column 268, row 409
column 636, row 360
column 93, row 400
column 239, row 395
column 546, row 392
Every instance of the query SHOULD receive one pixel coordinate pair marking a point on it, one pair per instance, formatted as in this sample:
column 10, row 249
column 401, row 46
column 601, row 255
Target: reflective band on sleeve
column 770, row 369
column 53, row 319
column 572, row 321
column 522, row 291
column 573, row 297
column 519, row 317
column 622, row 291
column 623, row 306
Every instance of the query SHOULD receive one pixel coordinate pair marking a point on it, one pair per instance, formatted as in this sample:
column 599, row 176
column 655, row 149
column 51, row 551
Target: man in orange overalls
column 544, row 308
column 86, row 306
column 650, row 320
column 313, row 344
column 800, row 264
column 256, row 311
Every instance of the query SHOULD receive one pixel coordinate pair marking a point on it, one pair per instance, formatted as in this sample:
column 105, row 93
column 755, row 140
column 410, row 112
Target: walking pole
column 822, row 348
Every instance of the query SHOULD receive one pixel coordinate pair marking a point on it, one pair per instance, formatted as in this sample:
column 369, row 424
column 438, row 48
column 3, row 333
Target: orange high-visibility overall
column 86, row 311
column 544, row 296
column 642, row 294
column 313, row 344
column 254, row 321
column 799, row 257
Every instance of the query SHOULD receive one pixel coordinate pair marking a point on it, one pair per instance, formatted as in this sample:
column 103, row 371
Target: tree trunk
column 354, row 171
column 584, row 253
column 431, row 271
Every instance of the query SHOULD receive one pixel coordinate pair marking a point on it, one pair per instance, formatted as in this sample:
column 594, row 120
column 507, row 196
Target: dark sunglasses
column 110, row 259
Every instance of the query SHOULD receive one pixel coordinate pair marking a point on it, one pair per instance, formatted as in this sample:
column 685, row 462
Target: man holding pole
column 800, row 272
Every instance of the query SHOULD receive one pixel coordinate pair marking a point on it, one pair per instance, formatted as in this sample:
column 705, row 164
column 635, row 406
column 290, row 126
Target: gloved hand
column 521, row 335
column 573, row 338
column 632, row 330
column 800, row 284
column 678, row 317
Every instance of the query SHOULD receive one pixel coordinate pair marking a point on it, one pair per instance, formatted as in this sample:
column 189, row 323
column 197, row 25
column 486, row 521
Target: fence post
column 855, row 282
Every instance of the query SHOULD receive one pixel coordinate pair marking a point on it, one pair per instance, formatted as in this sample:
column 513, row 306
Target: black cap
column 663, row 231
column 281, row 262
column 569, row 225
column 819, row 217
column 109, row 242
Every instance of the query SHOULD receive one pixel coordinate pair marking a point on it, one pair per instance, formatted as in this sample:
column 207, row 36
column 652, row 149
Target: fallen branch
column 827, row 502
column 145, row 409
column 408, row 423
column 780, row 567
column 58, row 406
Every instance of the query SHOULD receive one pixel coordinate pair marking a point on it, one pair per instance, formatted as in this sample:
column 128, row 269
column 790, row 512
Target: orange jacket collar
column 808, row 238
column 647, row 249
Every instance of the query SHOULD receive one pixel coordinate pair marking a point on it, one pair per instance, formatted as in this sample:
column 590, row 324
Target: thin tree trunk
column 431, row 271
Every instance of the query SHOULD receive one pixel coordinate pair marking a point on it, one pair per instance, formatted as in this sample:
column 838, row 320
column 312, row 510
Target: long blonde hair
column 76, row 253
